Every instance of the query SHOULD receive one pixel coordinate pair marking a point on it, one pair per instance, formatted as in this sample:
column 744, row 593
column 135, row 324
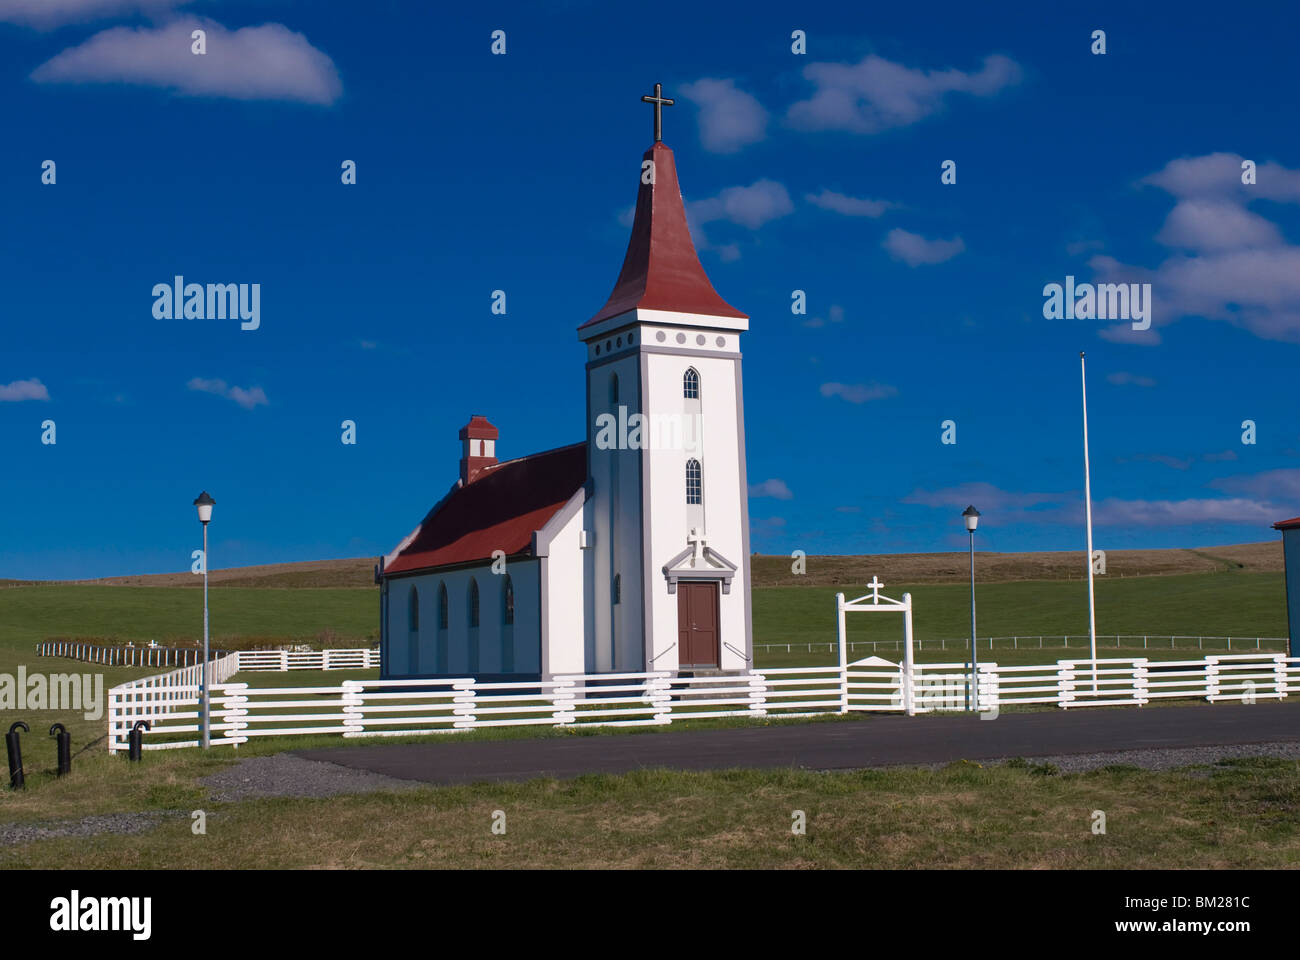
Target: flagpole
column 1087, row 509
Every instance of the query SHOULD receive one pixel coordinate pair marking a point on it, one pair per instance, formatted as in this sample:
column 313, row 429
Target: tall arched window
column 440, row 638
column 508, row 628
column 613, row 388
column 472, row 640
column 694, row 483
column 691, row 384
column 413, row 632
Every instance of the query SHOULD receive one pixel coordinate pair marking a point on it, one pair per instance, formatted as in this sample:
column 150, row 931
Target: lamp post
column 972, row 518
column 204, row 503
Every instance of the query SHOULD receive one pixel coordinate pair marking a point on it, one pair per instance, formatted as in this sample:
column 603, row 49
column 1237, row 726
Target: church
column 626, row 552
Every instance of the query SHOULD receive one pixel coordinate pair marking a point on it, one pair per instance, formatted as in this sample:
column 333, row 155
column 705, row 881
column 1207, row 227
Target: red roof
column 661, row 270
column 1287, row 524
column 498, row 511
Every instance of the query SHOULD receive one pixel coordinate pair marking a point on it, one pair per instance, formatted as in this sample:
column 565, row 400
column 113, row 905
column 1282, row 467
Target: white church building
column 626, row 552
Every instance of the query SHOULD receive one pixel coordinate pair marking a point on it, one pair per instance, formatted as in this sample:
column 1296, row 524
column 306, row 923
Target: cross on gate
column 660, row 102
column 875, row 586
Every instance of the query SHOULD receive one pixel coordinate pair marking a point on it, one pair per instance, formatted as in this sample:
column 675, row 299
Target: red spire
column 661, row 270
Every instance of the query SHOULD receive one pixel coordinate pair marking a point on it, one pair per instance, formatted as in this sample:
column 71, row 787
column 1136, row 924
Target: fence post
column 844, row 653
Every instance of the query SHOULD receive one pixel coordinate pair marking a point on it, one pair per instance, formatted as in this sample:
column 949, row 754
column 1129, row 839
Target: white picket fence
column 360, row 658
column 376, row 708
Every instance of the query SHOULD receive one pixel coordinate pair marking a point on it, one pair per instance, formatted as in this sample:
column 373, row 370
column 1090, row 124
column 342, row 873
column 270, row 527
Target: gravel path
column 284, row 775
column 15, row 833
column 1172, row 757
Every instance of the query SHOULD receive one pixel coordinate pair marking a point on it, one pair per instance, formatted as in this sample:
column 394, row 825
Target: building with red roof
column 626, row 552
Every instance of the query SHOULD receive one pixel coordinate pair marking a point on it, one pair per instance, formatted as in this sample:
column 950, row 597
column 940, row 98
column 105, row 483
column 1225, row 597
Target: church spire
column 661, row 270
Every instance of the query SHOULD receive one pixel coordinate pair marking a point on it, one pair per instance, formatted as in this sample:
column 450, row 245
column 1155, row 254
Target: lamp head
column 204, row 503
column 972, row 517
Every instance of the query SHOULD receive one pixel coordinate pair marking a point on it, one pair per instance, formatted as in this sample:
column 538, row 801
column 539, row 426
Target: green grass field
column 1218, row 605
column 1239, row 604
column 1227, row 815
column 1233, row 814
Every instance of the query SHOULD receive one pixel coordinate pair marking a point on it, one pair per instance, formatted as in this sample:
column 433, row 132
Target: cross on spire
column 660, row 101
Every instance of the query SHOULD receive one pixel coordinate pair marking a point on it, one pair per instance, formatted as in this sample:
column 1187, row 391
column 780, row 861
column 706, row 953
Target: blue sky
column 476, row 172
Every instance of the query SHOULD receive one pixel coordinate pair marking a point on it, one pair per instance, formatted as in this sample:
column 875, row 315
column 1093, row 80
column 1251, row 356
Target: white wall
column 613, row 641
column 566, row 618
column 724, row 494
column 491, row 631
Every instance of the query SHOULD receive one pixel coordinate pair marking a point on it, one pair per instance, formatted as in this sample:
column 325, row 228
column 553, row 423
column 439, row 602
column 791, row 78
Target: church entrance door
column 697, row 624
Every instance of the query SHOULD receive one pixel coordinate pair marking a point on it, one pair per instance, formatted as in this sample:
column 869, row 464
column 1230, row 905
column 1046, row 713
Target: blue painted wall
column 1291, row 546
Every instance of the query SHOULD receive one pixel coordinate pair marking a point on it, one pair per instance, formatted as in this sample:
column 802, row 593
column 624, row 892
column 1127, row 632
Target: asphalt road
column 873, row 741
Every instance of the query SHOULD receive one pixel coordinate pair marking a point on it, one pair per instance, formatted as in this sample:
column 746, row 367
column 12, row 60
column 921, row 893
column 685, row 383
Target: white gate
column 877, row 604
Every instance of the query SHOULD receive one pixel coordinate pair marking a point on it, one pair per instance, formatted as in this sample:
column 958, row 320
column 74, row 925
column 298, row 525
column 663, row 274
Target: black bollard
column 16, row 781
column 64, row 740
column 135, row 740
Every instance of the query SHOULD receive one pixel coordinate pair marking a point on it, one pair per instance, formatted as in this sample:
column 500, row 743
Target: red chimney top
column 478, row 448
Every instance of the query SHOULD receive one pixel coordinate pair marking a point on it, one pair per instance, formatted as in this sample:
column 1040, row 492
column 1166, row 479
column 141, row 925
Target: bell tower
column 668, row 513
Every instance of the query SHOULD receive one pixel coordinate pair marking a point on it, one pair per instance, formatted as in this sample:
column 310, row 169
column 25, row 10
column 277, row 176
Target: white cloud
column 1004, row 507
column 752, row 206
column 985, row 495
column 1215, row 225
column 48, row 14
column 1113, row 512
column 914, row 250
column 775, row 488
column 31, row 389
column 858, row 392
column 1123, row 378
column 1219, row 175
column 877, row 94
column 849, row 206
column 729, row 117
column 1228, row 263
column 246, row 398
column 270, row 62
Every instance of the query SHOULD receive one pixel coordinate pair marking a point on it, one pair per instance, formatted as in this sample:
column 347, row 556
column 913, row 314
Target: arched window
column 442, row 606
column 473, row 602
column 413, row 635
column 618, row 588
column 440, row 637
column 691, row 384
column 694, row 484
column 613, row 388
column 508, row 630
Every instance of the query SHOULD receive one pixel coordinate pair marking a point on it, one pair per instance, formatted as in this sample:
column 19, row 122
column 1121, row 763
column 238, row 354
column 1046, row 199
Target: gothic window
column 442, row 606
column 691, row 384
column 508, row 602
column 694, row 485
column 473, row 602
column 414, row 612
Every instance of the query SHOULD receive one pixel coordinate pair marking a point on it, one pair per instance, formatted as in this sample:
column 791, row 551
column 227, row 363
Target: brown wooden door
column 697, row 624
